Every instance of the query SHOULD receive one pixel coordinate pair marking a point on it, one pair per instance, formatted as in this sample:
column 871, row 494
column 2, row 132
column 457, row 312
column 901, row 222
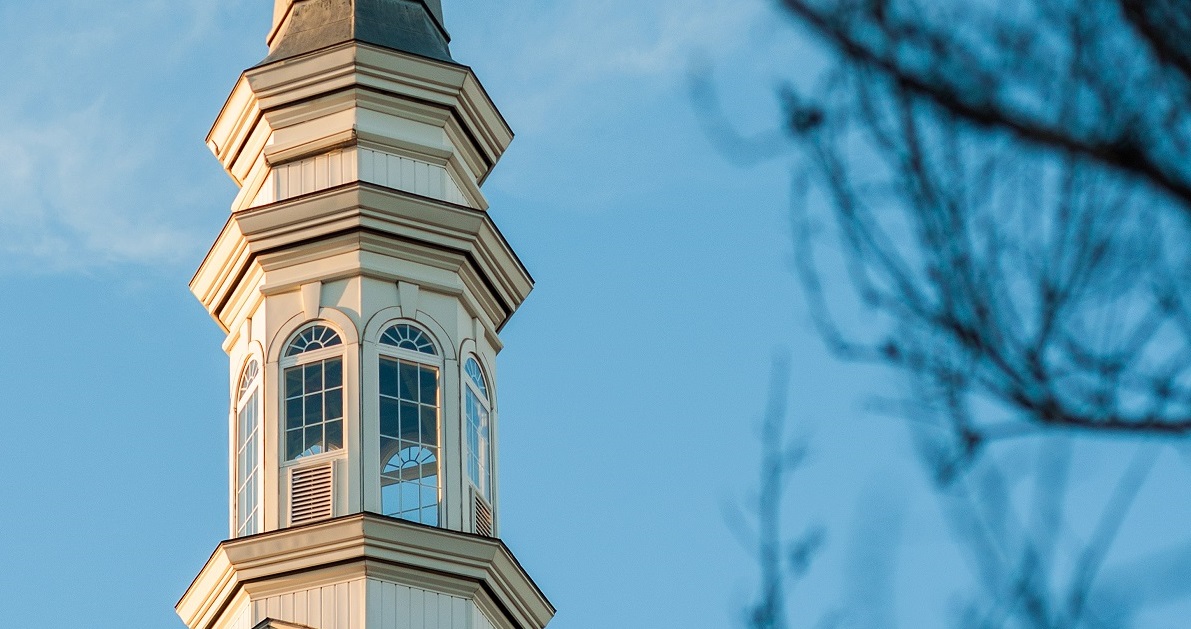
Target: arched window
column 313, row 389
column 248, row 451
column 477, row 409
column 409, row 424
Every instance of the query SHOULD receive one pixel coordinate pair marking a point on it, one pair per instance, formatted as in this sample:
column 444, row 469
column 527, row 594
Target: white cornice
column 408, row 223
column 436, row 92
column 368, row 545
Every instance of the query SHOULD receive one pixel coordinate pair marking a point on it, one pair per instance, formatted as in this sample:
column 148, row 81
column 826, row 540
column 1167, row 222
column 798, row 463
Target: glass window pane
column 410, row 495
column 241, row 421
column 389, row 425
column 334, row 435
column 293, row 444
column 314, row 439
column 409, row 382
column 334, row 373
column 390, row 497
column 334, row 404
column 314, row 409
column 388, row 377
column 293, row 382
column 250, row 448
column 409, row 421
column 293, row 413
column 429, row 381
column 388, row 450
column 429, row 425
column 251, row 409
column 473, row 371
column 314, row 377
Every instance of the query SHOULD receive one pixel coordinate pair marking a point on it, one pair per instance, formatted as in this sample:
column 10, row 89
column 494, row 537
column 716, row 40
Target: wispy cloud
column 563, row 51
column 89, row 145
column 70, row 198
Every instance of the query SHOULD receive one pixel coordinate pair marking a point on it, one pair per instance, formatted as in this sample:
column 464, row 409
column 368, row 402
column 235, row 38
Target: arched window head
column 248, row 379
column 478, row 411
column 476, row 376
column 248, row 451
column 313, row 387
column 408, row 374
column 405, row 336
column 313, row 339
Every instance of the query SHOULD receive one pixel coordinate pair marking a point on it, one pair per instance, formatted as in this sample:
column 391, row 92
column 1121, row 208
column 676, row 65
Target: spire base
column 303, row 26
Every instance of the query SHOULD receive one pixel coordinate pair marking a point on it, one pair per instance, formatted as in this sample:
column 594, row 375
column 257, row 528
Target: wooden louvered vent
column 311, row 494
column 483, row 517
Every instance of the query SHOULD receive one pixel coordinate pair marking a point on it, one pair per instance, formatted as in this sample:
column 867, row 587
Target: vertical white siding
column 410, row 175
column 479, row 620
column 240, row 619
column 359, row 164
column 312, row 174
column 268, row 192
column 338, row 606
column 392, row 606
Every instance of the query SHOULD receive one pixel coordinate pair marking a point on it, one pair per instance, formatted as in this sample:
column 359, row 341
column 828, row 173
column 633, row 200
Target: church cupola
column 362, row 286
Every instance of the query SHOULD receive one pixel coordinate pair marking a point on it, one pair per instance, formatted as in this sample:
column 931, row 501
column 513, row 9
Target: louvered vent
column 483, row 517
column 310, row 494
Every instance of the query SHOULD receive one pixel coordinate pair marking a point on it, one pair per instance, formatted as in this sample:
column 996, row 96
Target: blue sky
column 633, row 379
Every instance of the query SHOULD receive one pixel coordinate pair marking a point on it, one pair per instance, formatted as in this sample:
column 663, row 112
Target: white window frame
column 436, row 362
column 485, row 400
column 314, row 356
column 244, row 396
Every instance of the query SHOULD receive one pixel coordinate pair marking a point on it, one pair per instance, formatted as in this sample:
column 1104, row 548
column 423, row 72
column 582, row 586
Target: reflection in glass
column 406, row 336
column 409, row 410
column 247, row 451
column 477, row 411
column 314, row 408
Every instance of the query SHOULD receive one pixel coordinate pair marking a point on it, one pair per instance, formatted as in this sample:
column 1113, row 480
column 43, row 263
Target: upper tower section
column 358, row 90
column 360, row 280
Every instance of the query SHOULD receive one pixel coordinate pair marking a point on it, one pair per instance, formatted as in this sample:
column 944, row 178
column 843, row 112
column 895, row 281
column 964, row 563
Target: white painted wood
column 301, row 607
column 402, row 616
column 479, row 620
column 238, row 619
column 338, row 167
column 335, row 606
column 393, row 606
column 417, row 609
column 461, row 611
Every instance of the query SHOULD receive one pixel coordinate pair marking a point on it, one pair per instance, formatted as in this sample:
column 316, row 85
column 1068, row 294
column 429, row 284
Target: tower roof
column 413, row 26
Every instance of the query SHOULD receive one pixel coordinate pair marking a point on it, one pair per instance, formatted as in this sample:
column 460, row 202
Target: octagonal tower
column 362, row 286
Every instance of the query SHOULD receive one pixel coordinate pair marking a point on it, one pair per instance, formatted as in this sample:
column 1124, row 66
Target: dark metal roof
column 413, row 26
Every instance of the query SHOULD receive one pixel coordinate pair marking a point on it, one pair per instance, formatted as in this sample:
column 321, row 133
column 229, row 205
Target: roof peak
column 414, row 26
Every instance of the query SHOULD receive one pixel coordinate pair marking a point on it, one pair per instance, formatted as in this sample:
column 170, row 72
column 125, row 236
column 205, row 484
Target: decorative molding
column 364, row 217
column 311, row 299
column 407, row 299
column 364, row 545
column 286, row 111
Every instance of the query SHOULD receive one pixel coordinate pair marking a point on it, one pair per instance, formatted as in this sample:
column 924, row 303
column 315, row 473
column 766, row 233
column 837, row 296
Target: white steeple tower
column 362, row 286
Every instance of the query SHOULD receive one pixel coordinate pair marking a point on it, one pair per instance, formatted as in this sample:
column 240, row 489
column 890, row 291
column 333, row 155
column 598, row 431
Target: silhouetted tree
column 1009, row 187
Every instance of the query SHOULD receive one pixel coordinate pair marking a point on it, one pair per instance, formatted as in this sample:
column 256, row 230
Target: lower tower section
column 364, row 572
